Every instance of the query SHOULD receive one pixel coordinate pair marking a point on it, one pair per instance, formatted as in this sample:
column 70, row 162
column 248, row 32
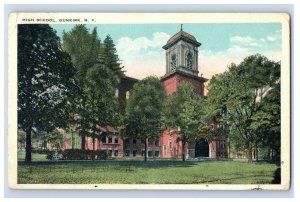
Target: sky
column 139, row 46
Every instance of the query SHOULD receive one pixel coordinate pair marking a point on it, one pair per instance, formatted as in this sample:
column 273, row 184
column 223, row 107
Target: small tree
column 184, row 113
column 144, row 110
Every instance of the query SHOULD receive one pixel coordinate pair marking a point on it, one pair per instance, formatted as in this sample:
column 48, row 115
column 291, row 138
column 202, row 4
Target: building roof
column 129, row 78
column 181, row 35
column 201, row 79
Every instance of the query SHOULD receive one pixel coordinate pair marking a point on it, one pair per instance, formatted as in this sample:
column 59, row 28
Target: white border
column 153, row 18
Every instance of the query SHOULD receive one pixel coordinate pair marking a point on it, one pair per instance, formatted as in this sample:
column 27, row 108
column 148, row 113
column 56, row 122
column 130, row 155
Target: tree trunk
column 250, row 154
column 72, row 136
column 93, row 147
column 28, row 146
column 228, row 145
column 146, row 149
column 256, row 153
column 82, row 141
column 183, row 151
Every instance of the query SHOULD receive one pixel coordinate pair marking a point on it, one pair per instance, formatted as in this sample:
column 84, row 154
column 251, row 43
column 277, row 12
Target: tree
column 266, row 122
column 98, row 72
column 236, row 96
column 84, row 49
column 45, row 81
column 184, row 113
column 101, row 101
column 144, row 110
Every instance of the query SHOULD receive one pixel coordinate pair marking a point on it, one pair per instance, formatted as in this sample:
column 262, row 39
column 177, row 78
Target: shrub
column 78, row 154
column 50, row 155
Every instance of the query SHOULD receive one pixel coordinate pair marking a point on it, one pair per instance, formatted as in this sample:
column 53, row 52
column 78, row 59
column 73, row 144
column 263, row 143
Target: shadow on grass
column 125, row 165
column 277, row 176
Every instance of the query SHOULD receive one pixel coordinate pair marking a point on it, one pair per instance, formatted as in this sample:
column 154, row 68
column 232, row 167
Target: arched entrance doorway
column 201, row 148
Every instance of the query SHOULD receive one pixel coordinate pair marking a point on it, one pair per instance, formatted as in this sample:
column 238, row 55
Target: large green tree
column 236, row 96
column 144, row 110
column 184, row 113
column 45, row 81
column 84, row 49
column 98, row 73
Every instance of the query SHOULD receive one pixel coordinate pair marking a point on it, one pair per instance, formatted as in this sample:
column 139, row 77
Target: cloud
column 127, row 44
column 237, row 49
column 241, row 39
column 143, row 56
column 271, row 38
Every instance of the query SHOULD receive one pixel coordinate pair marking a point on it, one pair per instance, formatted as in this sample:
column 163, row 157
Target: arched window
column 189, row 60
column 173, row 61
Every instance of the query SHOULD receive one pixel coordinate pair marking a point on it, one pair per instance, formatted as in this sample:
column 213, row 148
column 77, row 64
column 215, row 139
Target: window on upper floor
column 103, row 139
column 157, row 142
column 170, row 144
column 116, row 139
column 189, row 60
column 150, row 142
column 173, row 61
column 109, row 139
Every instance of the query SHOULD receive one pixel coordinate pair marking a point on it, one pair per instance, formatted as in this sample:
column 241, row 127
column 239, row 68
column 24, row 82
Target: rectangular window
column 134, row 141
column 116, row 153
column 127, row 153
column 134, row 153
column 149, row 153
column 109, row 153
column 103, row 139
column 91, row 140
column 110, row 139
column 143, row 152
column 170, row 144
column 150, row 142
column 165, row 150
column 116, row 139
column 156, row 153
column 157, row 142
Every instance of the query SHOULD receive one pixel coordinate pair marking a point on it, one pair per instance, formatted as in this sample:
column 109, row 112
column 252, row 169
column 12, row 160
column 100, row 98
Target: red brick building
column 181, row 65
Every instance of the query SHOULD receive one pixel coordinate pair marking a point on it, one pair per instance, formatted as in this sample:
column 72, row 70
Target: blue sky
column 140, row 45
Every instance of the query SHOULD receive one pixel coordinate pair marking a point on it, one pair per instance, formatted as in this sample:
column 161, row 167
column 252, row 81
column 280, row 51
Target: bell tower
column 182, row 53
column 182, row 62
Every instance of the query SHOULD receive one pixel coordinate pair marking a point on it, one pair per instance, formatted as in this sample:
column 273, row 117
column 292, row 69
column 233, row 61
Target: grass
column 34, row 156
column 139, row 172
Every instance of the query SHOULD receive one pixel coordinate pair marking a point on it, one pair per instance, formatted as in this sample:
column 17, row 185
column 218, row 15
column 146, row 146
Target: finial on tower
column 180, row 27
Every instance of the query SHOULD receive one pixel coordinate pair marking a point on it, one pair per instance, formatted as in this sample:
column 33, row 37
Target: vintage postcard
column 164, row 101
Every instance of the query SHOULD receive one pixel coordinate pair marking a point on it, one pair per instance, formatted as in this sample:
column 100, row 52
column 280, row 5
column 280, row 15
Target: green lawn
column 34, row 156
column 138, row 172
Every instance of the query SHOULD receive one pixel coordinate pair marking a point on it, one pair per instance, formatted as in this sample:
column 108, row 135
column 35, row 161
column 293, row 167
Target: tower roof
column 181, row 35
